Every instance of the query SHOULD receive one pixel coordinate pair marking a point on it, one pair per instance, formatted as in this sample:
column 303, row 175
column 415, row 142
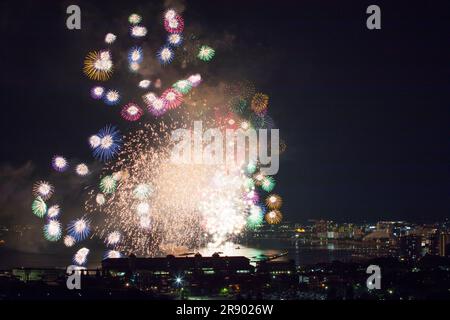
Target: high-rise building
column 411, row 247
column 444, row 244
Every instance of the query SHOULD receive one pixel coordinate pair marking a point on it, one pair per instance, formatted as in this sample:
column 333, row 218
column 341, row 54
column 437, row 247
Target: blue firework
column 79, row 229
column 175, row 39
column 112, row 254
column 110, row 143
column 165, row 55
column 135, row 55
column 112, row 97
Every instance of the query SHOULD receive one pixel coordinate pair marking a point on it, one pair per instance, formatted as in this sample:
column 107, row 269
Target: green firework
column 108, row 184
column 268, row 183
column 182, row 86
column 206, row 53
column 39, row 207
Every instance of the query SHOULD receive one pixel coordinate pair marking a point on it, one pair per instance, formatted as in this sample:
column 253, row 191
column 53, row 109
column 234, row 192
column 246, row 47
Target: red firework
column 174, row 25
column 173, row 98
column 131, row 112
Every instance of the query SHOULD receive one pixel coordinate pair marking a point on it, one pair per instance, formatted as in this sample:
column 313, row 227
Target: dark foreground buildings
column 219, row 277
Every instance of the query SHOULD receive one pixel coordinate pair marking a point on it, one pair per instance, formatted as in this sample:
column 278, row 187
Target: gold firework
column 274, row 217
column 98, row 65
column 260, row 102
column 274, row 201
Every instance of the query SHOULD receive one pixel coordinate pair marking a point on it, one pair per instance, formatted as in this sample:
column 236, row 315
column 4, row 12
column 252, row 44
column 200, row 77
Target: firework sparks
column 113, row 238
column 173, row 97
column 175, row 39
column 158, row 107
column 110, row 143
column 174, row 25
column 82, row 170
column 43, row 189
column 79, row 229
column 138, row 31
column 259, row 103
column 206, row 53
column 110, row 38
column 59, row 163
column 144, row 84
column 69, row 241
column 131, row 112
column 53, row 212
column 274, row 217
column 165, row 55
column 112, row 97
column 134, row 18
column 52, row 230
column 108, row 184
column 80, row 257
column 39, row 207
column 98, row 66
column 182, row 86
column 97, row 92
column 274, row 201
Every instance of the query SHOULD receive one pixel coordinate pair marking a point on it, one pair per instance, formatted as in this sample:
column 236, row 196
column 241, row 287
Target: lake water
column 301, row 253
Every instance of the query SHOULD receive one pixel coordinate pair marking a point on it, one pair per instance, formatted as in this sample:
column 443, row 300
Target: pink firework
column 174, row 25
column 173, row 98
column 195, row 79
column 158, row 107
column 131, row 112
column 252, row 197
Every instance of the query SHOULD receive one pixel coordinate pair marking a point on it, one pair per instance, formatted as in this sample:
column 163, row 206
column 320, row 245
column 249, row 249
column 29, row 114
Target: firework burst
column 158, row 107
column 53, row 212
column 69, row 241
column 260, row 102
column 112, row 97
column 43, row 189
column 149, row 98
column 274, row 217
column 112, row 254
column 274, row 201
column 268, row 183
column 165, row 55
column 39, row 207
column 174, row 25
column 59, row 163
column 80, row 257
column 182, row 86
column 82, row 170
column 52, row 230
column 138, row 31
column 131, row 112
column 110, row 143
column 255, row 218
column 98, row 66
column 195, row 79
column 175, row 39
column 97, row 92
column 134, row 19
column 108, row 184
column 144, row 84
column 206, row 53
column 110, row 38
column 135, row 55
column 113, row 238
column 79, row 229
column 173, row 97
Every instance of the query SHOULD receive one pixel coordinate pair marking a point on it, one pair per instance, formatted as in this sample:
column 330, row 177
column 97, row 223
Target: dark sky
column 365, row 114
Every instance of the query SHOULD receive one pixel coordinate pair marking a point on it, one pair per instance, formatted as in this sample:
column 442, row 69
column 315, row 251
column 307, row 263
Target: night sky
column 365, row 114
